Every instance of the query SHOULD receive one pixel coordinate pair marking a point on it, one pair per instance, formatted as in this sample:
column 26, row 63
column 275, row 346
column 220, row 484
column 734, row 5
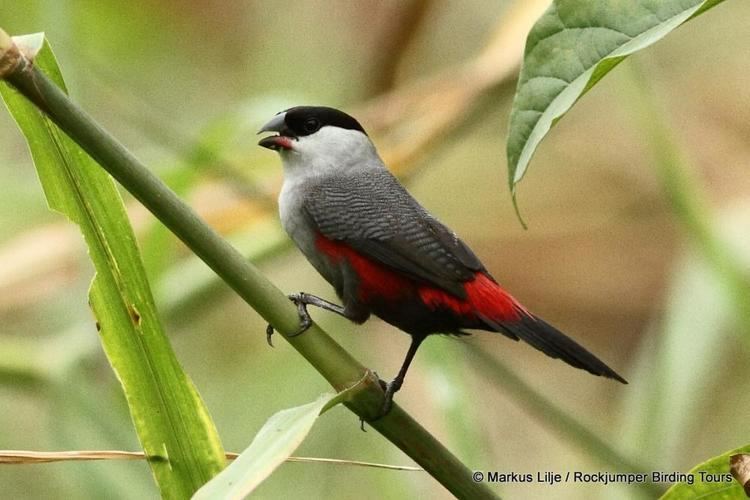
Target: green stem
column 329, row 358
column 557, row 419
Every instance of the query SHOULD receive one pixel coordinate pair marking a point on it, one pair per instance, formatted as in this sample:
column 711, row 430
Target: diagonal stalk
column 328, row 357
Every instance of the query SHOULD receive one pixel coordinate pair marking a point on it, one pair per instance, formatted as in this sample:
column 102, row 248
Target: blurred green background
column 185, row 85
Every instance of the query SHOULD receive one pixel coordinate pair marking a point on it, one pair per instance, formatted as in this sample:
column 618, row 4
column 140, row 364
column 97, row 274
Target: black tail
column 548, row 339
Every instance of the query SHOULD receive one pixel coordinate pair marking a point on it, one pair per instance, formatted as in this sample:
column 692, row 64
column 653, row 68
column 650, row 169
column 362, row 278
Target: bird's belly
column 409, row 312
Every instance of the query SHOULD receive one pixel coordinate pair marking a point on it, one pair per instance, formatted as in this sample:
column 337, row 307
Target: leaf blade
column 274, row 443
column 713, row 490
column 172, row 423
column 570, row 48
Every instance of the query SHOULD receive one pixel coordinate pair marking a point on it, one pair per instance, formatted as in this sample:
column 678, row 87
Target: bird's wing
column 377, row 217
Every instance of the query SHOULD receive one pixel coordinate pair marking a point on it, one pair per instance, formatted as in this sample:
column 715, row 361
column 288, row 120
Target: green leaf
column 274, row 443
column 720, row 486
column 569, row 49
column 171, row 421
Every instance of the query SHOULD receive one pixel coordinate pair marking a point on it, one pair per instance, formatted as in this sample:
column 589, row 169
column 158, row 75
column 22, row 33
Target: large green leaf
column 274, row 443
column 570, row 48
column 711, row 480
column 171, row 421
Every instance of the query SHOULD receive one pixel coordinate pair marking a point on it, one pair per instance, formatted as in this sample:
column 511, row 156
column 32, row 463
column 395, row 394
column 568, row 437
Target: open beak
column 282, row 141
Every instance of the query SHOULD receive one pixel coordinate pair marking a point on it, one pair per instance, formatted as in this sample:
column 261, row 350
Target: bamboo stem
column 328, row 357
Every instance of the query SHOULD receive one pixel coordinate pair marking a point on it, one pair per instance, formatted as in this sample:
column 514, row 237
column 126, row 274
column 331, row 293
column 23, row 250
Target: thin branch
column 24, row 457
column 337, row 461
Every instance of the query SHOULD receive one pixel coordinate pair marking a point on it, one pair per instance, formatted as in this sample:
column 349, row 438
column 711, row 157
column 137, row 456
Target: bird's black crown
column 306, row 120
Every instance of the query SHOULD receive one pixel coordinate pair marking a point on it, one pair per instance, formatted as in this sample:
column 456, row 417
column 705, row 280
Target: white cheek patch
column 328, row 151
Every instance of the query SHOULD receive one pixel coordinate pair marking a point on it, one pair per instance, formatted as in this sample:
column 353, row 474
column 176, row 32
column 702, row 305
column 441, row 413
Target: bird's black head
column 302, row 121
column 306, row 120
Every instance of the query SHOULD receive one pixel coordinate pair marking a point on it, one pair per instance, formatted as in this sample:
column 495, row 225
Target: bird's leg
column 302, row 300
column 394, row 385
column 305, row 299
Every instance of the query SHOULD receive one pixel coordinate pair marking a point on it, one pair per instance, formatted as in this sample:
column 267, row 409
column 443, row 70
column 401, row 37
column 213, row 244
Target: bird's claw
column 383, row 383
column 390, row 389
column 384, row 410
column 305, row 321
column 387, row 404
column 269, row 334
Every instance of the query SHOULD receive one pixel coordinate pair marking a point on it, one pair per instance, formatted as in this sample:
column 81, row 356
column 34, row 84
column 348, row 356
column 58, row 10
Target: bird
column 383, row 253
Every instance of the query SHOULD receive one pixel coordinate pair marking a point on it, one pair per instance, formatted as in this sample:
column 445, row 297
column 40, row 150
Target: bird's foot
column 384, row 386
column 383, row 383
column 269, row 334
column 390, row 390
column 305, row 321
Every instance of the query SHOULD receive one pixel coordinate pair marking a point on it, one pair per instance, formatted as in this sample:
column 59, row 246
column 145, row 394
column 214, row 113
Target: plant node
column 10, row 56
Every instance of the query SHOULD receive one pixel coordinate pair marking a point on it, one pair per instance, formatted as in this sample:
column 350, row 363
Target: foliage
column 573, row 46
column 172, row 422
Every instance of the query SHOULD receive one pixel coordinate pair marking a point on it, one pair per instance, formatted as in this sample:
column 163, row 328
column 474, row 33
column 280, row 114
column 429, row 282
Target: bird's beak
column 283, row 141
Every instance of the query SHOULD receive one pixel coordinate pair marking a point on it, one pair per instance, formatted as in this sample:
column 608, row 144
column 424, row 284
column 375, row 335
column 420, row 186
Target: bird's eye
column 311, row 125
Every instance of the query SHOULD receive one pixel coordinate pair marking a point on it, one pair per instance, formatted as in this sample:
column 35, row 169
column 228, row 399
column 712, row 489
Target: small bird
column 383, row 252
